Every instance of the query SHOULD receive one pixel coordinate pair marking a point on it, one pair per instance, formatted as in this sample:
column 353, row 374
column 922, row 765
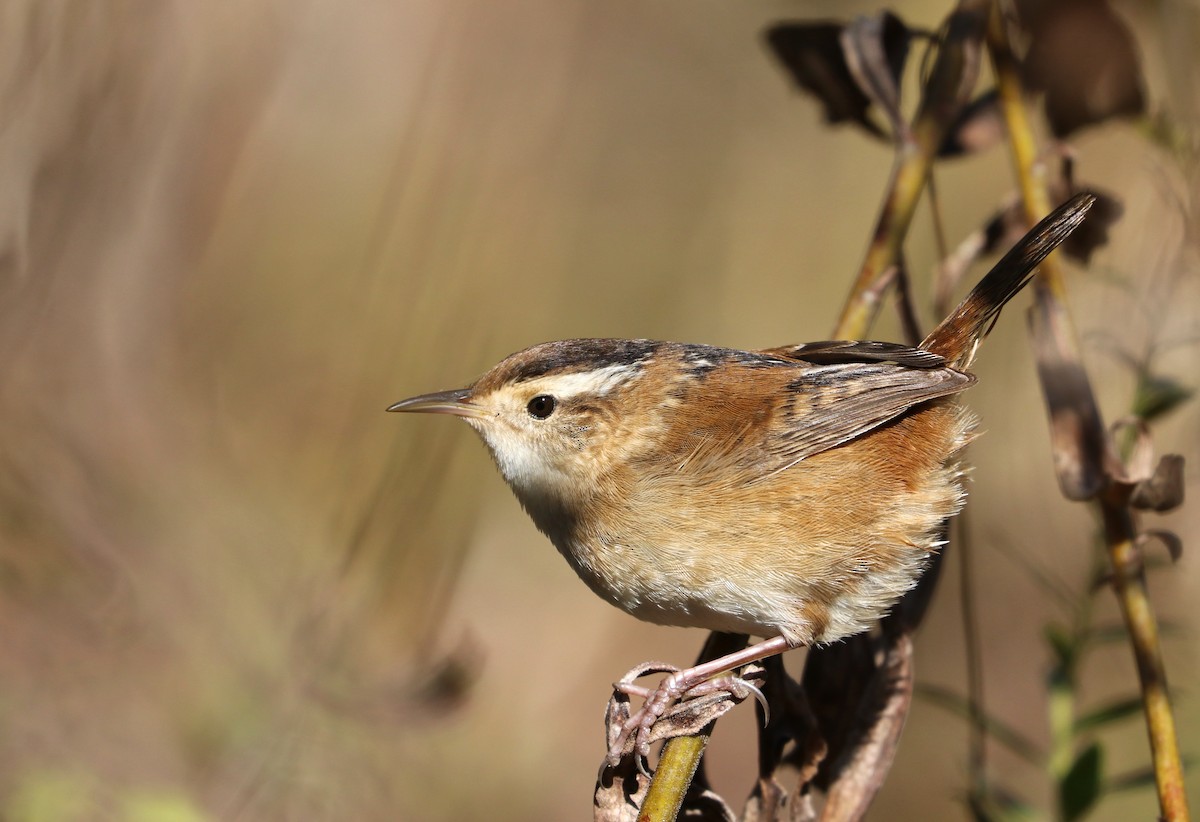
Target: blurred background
column 231, row 234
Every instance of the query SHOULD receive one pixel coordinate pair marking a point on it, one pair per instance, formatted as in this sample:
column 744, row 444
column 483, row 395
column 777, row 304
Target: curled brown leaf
column 1085, row 59
column 846, row 67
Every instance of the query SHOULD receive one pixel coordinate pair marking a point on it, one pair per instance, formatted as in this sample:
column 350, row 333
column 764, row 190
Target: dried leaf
column 956, row 69
column 789, row 735
column 1078, row 438
column 980, row 125
column 1169, row 539
column 706, row 806
column 1150, row 487
column 801, row 809
column 620, row 791
column 692, row 715
column 766, row 802
column 1139, row 464
column 1093, row 233
column 1163, row 491
column 865, row 764
column 770, row 803
column 875, row 49
column 1085, row 59
column 1007, row 225
column 813, row 55
column 835, row 679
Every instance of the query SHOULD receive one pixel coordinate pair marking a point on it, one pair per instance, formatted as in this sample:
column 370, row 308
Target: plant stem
column 676, row 765
column 1120, row 530
column 950, row 82
column 1129, row 585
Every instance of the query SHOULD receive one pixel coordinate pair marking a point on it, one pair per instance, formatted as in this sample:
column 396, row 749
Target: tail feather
column 957, row 337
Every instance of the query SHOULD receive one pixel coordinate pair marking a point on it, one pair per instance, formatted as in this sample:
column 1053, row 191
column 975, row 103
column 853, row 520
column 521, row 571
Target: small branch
column 862, row 771
column 1081, row 443
column 1129, row 585
column 676, row 765
column 681, row 756
column 950, row 82
column 905, row 306
column 976, row 715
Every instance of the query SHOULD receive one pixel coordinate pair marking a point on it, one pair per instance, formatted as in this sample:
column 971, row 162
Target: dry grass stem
column 950, row 82
column 1081, row 444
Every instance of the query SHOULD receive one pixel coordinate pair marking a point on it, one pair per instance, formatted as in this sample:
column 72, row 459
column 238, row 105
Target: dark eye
column 541, row 406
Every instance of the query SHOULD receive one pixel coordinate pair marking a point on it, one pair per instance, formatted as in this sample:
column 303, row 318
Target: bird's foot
column 675, row 695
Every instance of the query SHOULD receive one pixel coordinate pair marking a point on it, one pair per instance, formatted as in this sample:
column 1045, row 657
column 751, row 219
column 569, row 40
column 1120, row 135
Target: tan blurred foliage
column 232, row 233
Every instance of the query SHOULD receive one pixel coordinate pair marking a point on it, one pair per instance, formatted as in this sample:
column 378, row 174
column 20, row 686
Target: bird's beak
column 455, row 402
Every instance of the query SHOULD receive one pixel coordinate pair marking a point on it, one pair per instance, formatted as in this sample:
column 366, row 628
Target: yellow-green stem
column 950, row 81
column 1119, row 528
column 1031, row 172
column 908, row 180
column 676, row 765
column 1129, row 585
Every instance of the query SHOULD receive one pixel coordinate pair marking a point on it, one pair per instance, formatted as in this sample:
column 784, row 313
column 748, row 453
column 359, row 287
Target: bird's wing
column 833, row 352
column 828, row 405
column 823, row 395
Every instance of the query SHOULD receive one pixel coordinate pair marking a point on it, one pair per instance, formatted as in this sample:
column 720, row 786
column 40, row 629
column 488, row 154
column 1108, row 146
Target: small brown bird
column 793, row 493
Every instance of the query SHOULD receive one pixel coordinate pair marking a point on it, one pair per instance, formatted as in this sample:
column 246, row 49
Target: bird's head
column 554, row 416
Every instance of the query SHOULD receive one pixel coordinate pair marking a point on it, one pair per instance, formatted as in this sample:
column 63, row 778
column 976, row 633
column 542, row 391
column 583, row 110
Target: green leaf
column 1064, row 645
column 1082, row 785
column 1157, row 395
column 1112, row 712
column 996, row 729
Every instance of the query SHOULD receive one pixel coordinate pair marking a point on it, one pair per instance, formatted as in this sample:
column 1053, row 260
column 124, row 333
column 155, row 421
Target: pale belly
column 803, row 556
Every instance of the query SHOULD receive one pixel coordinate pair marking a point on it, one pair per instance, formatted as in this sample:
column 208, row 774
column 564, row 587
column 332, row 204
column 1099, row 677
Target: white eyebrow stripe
column 597, row 382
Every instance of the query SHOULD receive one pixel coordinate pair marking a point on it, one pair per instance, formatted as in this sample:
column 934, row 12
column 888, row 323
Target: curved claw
column 695, row 681
column 758, row 695
column 670, row 691
column 737, row 686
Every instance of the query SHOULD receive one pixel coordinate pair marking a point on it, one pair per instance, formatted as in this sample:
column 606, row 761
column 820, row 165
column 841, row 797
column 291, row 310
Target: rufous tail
column 958, row 336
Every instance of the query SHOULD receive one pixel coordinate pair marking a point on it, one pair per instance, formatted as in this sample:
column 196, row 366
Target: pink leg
column 698, row 679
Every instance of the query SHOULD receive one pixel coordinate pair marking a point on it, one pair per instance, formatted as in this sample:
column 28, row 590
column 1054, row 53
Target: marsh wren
column 792, row 493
